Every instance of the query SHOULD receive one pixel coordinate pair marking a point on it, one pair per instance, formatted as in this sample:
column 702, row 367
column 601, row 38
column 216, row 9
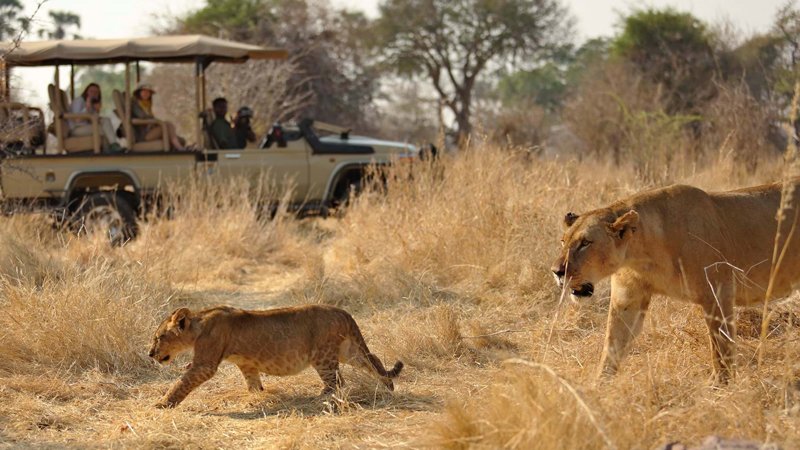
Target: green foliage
column 235, row 19
column 544, row 86
column 653, row 36
column 757, row 62
column 63, row 22
column 326, row 46
column 10, row 22
column 549, row 85
column 672, row 49
column 787, row 70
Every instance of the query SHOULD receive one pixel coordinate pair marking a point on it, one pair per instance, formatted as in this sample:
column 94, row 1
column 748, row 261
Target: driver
column 220, row 128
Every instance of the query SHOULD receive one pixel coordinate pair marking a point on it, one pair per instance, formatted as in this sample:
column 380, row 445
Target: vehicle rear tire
column 108, row 213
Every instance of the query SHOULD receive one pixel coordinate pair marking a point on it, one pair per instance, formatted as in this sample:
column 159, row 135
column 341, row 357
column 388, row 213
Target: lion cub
column 275, row 342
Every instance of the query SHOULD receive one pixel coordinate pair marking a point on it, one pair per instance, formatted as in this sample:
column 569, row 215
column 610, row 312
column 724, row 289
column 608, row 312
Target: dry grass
column 447, row 270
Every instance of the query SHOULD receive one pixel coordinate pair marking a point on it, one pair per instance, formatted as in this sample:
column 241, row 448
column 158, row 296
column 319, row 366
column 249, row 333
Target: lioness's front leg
column 192, row 378
column 629, row 301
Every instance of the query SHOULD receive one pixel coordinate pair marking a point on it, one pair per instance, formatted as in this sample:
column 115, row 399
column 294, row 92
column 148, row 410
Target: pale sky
column 127, row 18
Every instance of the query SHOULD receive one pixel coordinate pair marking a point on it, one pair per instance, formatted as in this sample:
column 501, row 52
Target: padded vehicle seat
column 67, row 143
column 160, row 144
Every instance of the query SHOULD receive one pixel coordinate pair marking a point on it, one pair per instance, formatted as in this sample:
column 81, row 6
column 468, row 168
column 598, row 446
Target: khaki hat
column 143, row 86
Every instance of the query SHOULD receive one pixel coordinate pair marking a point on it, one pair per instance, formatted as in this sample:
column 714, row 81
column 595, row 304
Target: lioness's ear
column 570, row 218
column 625, row 224
column 181, row 318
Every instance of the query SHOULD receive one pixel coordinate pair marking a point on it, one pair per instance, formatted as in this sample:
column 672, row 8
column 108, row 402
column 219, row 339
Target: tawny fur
column 713, row 249
column 275, row 342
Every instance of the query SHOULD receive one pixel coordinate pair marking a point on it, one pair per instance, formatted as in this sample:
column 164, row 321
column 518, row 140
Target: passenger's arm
column 78, row 105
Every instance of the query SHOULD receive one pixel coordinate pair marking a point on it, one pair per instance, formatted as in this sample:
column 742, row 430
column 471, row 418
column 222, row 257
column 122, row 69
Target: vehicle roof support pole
column 71, row 81
column 138, row 74
column 6, row 82
column 59, row 124
column 198, row 73
column 128, row 99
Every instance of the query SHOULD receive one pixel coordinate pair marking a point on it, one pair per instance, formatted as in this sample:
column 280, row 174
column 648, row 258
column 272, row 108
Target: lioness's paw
column 165, row 404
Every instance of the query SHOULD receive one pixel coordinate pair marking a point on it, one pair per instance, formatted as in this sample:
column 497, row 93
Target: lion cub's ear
column 570, row 218
column 625, row 224
column 181, row 318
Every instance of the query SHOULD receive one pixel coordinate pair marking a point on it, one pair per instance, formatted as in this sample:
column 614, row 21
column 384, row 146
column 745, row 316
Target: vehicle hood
column 378, row 144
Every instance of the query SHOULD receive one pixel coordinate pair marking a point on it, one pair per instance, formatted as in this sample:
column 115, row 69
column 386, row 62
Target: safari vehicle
column 76, row 180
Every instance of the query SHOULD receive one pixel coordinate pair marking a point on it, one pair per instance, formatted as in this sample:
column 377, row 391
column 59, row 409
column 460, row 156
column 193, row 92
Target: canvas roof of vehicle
column 179, row 48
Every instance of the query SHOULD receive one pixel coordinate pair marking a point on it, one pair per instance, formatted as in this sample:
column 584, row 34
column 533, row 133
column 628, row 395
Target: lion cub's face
column 593, row 248
column 173, row 337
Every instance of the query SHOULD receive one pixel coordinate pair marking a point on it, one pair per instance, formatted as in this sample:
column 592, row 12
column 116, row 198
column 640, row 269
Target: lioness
column 714, row 249
column 276, row 342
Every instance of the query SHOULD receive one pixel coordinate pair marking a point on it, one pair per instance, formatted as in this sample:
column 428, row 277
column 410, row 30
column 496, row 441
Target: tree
column 63, row 21
column 229, row 19
column 9, row 12
column 544, row 86
column 453, row 43
column 549, row 84
column 671, row 49
column 329, row 59
column 757, row 62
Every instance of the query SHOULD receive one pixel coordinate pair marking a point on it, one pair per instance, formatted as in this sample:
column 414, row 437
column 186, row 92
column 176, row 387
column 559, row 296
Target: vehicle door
column 282, row 167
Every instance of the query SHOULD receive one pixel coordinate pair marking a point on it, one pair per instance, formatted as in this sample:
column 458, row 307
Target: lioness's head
column 173, row 336
column 593, row 247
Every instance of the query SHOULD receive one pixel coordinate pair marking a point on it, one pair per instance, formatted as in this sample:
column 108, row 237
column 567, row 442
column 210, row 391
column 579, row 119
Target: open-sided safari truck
column 77, row 180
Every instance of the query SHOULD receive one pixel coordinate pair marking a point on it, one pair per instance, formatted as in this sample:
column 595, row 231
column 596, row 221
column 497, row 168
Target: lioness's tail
column 373, row 362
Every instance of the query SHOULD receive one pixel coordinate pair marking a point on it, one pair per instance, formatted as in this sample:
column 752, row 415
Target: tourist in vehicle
column 90, row 102
column 220, row 129
column 242, row 127
column 142, row 108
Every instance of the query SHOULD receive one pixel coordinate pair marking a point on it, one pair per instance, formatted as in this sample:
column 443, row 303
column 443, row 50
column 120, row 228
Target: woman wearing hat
column 142, row 108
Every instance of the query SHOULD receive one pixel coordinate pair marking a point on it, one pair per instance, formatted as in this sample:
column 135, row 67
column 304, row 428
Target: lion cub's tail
column 373, row 362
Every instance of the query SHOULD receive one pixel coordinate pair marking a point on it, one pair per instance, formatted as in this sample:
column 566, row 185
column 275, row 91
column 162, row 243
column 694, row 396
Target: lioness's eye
column 584, row 243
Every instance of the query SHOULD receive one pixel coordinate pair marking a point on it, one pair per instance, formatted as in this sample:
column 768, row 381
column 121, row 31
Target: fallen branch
column 494, row 334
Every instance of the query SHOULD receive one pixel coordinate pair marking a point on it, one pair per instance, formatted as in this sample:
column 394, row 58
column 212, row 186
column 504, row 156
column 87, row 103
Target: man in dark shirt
column 220, row 128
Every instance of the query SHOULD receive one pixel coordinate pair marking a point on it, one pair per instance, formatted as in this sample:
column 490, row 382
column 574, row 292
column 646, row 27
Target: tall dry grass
column 61, row 315
column 446, row 267
column 470, row 239
column 69, row 303
column 212, row 229
column 476, row 226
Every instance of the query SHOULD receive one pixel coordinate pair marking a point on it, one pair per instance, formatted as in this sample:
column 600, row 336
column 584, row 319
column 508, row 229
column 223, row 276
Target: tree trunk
column 463, row 117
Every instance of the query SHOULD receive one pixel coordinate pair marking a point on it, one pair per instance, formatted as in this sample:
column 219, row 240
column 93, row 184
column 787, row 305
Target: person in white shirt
column 90, row 102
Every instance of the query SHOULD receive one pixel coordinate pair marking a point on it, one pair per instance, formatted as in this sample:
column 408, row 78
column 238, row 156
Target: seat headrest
column 119, row 103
